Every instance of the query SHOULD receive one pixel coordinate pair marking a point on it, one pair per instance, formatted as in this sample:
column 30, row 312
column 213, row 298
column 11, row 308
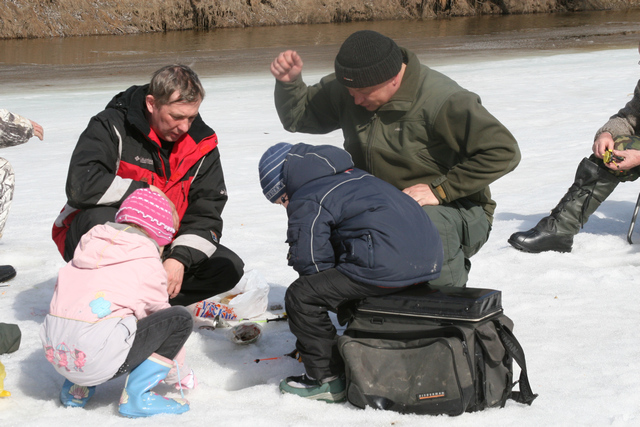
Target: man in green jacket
column 412, row 127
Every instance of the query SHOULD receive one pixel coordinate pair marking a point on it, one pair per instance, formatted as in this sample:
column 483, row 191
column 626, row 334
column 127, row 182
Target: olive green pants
column 464, row 229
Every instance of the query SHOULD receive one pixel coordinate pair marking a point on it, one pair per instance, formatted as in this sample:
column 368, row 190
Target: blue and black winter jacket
column 348, row 219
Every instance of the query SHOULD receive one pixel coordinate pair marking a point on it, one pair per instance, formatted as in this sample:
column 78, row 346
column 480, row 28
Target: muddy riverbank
column 62, row 18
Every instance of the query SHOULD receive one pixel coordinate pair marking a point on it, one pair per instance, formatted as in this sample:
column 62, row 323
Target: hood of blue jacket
column 311, row 162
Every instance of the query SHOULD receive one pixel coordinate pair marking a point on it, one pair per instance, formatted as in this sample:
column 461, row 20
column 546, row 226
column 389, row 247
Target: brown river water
column 46, row 62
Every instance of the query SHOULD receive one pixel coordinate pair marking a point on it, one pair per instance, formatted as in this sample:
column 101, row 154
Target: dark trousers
column 308, row 301
column 164, row 332
column 218, row 274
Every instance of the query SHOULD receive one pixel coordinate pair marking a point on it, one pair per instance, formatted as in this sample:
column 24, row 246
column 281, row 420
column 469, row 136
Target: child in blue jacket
column 351, row 235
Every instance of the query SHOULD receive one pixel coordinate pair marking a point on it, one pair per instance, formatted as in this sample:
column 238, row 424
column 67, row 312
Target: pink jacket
column 115, row 278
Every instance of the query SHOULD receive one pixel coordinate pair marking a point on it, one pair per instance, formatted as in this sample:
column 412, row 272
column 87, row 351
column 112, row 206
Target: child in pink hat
column 110, row 313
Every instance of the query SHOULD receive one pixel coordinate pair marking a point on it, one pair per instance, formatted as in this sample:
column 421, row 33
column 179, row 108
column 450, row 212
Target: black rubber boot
column 7, row 273
column 592, row 185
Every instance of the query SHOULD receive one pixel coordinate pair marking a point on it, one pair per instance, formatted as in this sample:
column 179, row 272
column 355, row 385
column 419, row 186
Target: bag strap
column 514, row 349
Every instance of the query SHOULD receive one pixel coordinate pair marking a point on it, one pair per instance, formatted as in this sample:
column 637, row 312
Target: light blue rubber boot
column 74, row 395
column 138, row 400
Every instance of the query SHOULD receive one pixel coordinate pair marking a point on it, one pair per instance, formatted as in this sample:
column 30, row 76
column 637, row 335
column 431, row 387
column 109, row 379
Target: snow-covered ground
column 575, row 313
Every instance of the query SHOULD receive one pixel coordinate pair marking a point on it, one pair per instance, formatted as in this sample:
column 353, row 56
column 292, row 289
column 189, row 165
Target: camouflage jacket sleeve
column 14, row 129
column 627, row 120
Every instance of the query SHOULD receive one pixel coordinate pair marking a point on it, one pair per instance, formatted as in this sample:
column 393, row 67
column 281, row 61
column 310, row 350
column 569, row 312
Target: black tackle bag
column 429, row 350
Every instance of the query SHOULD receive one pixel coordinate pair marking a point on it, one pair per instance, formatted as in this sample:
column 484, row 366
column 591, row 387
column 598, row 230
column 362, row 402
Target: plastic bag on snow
column 248, row 299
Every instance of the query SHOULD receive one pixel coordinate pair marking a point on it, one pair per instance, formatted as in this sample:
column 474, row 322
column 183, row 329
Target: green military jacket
column 432, row 131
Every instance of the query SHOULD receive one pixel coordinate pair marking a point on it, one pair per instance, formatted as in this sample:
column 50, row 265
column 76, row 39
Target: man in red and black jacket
column 152, row 136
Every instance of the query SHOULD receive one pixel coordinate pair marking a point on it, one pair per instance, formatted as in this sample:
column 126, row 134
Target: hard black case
column 466, row 304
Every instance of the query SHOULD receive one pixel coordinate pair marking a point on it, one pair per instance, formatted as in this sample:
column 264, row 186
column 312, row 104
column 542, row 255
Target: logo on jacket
column 143, row 160
column 100, row 306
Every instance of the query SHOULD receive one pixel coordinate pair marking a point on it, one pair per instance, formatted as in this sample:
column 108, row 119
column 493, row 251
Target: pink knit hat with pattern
column 151, row 211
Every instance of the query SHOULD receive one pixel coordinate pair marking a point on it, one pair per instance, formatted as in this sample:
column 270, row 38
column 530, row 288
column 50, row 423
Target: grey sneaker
column 332, row 390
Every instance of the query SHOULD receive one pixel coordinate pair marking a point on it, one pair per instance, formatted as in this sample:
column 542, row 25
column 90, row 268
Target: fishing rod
column 294, row 355
column 273, row 319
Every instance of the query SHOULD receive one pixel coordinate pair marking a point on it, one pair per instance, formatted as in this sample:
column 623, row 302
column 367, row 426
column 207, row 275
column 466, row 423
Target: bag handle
column 514, row 349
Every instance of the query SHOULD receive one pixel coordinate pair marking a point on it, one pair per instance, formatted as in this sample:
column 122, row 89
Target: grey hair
column 172, row 78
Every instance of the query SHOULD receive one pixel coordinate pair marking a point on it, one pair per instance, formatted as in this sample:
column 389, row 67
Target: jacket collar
column 406, row 93
column 132, row 103
column 195, row 144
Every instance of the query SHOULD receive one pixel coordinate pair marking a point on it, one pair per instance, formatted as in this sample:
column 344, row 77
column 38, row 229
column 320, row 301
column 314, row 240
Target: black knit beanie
column 367, row 58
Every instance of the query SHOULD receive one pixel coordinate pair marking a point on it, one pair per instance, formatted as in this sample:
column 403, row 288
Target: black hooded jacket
column 118, row 153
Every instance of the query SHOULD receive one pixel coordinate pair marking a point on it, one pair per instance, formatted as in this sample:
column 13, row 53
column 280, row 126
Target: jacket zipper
column 370, row 246
column 164, row 172
column 369, row 148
